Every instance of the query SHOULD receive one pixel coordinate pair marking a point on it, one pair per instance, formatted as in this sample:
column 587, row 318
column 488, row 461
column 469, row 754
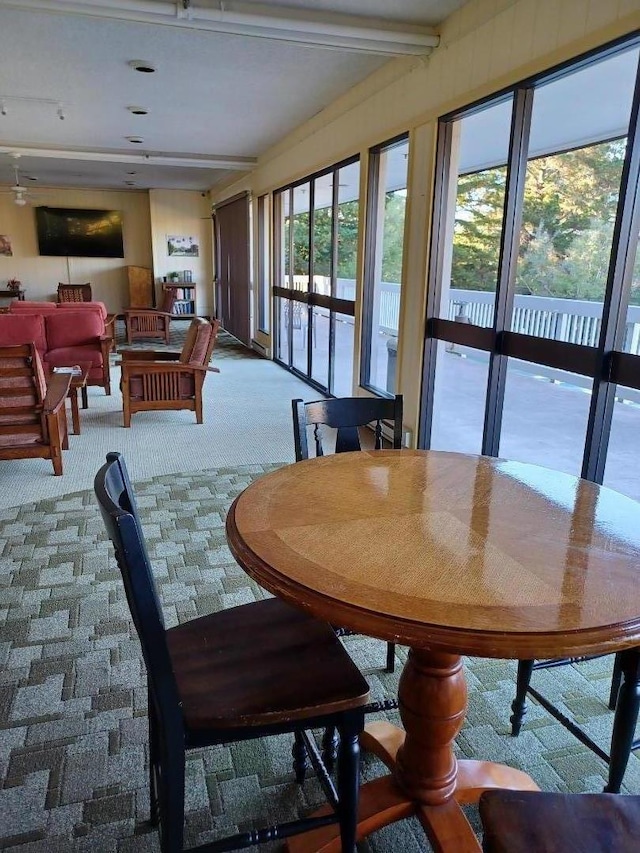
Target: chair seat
column 528, row 821
column 280, row 651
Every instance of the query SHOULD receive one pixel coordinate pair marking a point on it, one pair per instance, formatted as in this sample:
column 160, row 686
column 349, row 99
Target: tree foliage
column 347, row 237
column 568, row 213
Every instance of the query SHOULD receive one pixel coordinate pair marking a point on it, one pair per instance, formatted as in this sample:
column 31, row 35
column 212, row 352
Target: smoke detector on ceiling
column 142, row 66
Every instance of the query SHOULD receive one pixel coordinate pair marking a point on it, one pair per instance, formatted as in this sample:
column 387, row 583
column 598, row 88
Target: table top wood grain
column 447, row 551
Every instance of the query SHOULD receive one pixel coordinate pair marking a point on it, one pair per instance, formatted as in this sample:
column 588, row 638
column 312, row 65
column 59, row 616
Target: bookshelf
column 185, row 294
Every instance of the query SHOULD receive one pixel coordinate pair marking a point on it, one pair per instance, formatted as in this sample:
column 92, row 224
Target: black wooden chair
column 346, row 415
column 537, row 822
column 624, row 699
column 257, row 669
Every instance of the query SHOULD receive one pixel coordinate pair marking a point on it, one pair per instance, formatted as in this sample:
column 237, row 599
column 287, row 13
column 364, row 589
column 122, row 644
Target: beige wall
column 40, row 275
column 486, row 46
column 183, row 213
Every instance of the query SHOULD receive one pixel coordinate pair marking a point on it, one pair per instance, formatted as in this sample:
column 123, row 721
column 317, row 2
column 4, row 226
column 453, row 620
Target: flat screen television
column 67, row 232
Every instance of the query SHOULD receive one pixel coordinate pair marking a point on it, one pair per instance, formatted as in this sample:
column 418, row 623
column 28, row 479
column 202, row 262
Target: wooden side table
column 78, row 383
column 7, row 293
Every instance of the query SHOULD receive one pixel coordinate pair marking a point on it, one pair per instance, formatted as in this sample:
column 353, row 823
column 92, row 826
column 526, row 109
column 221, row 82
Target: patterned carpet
column 73, row 732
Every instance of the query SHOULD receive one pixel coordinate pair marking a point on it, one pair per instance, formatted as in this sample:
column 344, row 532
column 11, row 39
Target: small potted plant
column 14, row 284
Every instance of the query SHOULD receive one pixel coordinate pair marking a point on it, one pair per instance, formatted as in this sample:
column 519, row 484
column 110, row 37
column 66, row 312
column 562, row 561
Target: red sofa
column 63, row 338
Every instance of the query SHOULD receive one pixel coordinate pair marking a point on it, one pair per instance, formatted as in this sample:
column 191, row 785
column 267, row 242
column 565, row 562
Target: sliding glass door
column 316, row 240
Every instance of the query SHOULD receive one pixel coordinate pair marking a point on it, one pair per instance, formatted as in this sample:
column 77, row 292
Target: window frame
column 606, row 364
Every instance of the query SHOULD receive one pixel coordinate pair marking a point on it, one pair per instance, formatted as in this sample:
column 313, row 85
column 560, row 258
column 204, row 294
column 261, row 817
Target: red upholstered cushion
column 17, row 307
column 68, row 356
column 81, row 306
column 73, row 328
column 18, row 329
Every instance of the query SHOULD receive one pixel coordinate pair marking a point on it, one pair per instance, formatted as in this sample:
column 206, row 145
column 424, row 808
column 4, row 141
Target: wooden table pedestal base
column 427, row 779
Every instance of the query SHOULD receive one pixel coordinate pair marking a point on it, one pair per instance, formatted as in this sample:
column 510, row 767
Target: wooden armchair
column 74, row 292
column 149, row 322
column 162, row 379
column 33, row 420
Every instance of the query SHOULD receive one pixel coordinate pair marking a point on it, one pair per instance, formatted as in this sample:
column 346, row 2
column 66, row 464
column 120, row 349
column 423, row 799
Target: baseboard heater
column 259, row 348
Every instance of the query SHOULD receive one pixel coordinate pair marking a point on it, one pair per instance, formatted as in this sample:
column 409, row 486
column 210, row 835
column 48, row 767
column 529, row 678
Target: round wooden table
column 453, row 555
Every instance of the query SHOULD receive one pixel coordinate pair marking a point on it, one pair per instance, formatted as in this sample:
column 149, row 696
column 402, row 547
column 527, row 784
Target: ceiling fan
column 21, row 194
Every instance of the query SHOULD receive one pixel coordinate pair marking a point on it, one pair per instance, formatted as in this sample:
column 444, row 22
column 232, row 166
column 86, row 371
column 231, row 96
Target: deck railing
column 576, row 321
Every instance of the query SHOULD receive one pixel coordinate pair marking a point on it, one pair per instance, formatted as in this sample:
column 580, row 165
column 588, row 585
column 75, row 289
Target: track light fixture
column 18, row 99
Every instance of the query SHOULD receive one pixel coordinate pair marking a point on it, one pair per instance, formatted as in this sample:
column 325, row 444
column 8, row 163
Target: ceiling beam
column 335, row 31
column 142, row 158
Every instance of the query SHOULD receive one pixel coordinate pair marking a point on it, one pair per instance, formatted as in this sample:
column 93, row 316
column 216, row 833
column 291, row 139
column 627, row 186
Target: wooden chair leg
column 348, row 784
column 391, row 657
column 154, row 769
column 198, row 400
column 172, row 796
column 55, row 428
column 300, row 759
column 616, row 679
column 126, row 403
column 329, row 747
column 625, row 719
column 518, row 706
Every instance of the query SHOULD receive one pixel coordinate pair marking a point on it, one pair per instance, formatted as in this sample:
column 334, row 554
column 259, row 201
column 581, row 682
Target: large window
column 264, row 291
column 387, row 202
column 533, row 281
column 316, row 225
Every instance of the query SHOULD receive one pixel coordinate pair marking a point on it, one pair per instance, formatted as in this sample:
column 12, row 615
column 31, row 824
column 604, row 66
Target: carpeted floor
column 73, row 735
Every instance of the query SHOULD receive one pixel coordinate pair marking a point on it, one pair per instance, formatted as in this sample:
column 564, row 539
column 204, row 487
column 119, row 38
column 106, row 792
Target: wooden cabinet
column 140, row 287
column 185, row 294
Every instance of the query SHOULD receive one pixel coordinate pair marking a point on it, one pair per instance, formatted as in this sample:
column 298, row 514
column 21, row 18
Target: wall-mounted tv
column 67, row 232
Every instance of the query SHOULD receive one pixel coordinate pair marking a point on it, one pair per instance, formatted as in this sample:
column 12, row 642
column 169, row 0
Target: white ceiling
column 217, row 99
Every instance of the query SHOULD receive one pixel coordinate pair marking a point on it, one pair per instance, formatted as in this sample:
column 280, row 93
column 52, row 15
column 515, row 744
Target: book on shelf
column 184, row 307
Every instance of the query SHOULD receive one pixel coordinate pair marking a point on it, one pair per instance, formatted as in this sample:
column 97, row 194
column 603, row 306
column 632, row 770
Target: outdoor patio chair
column 346, row 415
column 155, row 380
column 539, row 822
column 258, row 669
column 33, row 420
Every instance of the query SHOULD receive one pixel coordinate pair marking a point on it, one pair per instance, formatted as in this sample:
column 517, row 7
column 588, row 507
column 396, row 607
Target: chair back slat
column 74, row 292
column 119, row 511
column 22, row 391
column 345, row 415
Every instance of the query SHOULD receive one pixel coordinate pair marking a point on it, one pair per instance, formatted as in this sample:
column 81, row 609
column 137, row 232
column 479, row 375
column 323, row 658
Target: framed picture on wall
column 5, row 246
column 186, row 247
